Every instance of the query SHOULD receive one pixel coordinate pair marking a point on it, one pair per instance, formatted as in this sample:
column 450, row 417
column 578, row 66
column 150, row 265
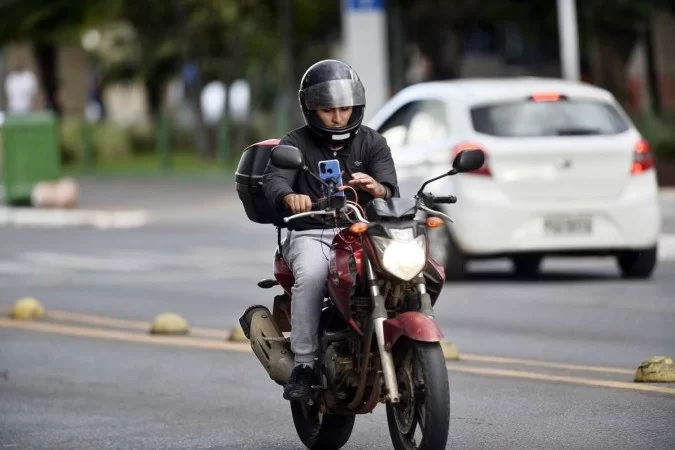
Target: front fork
column 379, row 316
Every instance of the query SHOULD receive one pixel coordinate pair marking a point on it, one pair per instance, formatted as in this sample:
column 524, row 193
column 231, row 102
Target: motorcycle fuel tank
column 346, row 268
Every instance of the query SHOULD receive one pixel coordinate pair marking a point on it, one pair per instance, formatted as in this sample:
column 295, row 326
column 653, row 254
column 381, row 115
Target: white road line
column 18, row 268
column 196, row 263
column 167, row 278
column 87, row 263
column 200, row 263
column 58, row 218
column 158, row 279
column 200, row 257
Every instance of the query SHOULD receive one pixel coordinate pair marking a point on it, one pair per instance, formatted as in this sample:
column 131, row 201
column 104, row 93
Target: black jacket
column 368, row 153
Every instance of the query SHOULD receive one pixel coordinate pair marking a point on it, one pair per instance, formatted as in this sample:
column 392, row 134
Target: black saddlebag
column 248, row 182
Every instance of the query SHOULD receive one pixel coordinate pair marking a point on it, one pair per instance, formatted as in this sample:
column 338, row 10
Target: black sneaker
column 299, row 384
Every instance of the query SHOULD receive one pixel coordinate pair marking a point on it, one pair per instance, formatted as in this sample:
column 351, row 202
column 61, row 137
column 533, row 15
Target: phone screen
column 330, row 169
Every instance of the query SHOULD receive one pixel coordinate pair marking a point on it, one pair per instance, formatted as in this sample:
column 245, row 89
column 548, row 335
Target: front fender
column 412, row 324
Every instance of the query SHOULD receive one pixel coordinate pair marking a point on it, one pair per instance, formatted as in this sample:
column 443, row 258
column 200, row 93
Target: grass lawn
column 180, row 163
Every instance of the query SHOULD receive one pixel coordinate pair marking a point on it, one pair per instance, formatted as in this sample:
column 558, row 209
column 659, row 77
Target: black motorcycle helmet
column 332, row 84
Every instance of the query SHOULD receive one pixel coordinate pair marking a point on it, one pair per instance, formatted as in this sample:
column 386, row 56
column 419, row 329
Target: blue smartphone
column 330, row 169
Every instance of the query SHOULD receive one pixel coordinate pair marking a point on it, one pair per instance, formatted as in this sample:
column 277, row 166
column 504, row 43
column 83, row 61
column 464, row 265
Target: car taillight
column 643, row 158
column 485, row 169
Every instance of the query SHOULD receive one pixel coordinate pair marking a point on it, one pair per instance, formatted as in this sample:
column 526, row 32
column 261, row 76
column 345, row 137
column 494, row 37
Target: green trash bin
column 31, row 154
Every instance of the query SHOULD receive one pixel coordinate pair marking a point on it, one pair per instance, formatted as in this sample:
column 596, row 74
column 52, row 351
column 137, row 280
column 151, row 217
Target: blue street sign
column 365, row 5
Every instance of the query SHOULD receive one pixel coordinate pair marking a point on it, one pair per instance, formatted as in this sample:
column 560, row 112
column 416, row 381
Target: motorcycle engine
column 339, row 366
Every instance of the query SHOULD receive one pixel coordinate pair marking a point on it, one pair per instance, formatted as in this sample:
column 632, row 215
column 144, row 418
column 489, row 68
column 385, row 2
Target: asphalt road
column 569, row 343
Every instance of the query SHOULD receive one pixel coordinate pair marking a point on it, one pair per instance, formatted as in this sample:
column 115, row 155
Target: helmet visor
column 335, row 94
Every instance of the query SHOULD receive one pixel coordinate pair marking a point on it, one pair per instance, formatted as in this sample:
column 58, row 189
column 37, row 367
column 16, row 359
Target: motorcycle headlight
column 404, row 259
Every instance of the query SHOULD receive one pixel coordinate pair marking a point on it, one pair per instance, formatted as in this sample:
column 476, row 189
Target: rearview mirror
column 469, row 160
column 286, row 157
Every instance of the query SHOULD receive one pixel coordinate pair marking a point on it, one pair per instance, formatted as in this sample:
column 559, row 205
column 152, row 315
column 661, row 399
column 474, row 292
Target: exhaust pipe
column 269, row 345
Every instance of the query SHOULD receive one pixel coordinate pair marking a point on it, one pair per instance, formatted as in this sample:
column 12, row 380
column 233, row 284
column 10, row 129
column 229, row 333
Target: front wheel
column 321, row 431
column 422, row 418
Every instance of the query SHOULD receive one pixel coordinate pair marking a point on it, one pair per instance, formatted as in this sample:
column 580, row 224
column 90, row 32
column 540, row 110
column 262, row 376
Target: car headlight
column 403, row 259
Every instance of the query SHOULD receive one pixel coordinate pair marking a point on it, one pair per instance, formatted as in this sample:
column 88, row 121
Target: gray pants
column 307, row 254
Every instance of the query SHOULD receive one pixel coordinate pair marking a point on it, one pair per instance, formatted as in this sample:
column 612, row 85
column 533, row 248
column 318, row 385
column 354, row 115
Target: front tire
column 321, row 431
column 636, row 264
column 422, row 419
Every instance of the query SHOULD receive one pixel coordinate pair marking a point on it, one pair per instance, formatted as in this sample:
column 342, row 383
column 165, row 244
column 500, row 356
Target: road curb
column 450, row 351
column 657, row 369
column 169, row 324
column 27, row 308
column 237, row 335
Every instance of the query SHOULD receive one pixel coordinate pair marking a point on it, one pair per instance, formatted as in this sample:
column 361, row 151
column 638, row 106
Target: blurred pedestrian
column 95, row 105
column 21, row 88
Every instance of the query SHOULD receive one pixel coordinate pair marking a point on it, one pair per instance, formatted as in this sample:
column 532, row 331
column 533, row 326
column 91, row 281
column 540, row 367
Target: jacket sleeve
column 382, row 166
column 278, row 183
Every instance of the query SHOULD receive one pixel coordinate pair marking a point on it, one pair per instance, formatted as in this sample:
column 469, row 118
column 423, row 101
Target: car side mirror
column 468, row 160
column 286, row 157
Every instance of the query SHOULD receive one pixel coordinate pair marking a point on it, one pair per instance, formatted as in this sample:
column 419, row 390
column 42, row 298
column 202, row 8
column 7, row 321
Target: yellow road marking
column 140, row 325
column 561, row 379
column 98, row 320
column 116, row 335
column 192, row 342
column 552, row 365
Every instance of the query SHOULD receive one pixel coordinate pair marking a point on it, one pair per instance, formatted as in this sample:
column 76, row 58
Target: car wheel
column 526, row 266
column 445, row 252
column 636, row 264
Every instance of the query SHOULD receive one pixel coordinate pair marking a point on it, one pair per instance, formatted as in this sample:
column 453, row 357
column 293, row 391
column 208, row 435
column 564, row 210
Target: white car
column 566, row 171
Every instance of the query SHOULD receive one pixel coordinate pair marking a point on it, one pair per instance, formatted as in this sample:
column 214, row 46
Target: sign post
column 364, row 35
column 569, row 39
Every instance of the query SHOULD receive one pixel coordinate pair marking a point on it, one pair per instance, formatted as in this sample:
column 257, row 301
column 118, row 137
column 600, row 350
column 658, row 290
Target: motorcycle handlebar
column 446, row 199
column 309, row 213
column 324, row 212
column 320, row 204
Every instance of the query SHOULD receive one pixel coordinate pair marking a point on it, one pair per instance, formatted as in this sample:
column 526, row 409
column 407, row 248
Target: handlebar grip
column 320, row 204
column 445, row 199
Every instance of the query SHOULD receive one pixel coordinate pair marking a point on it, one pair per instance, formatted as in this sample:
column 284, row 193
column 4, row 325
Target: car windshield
column 557, row 118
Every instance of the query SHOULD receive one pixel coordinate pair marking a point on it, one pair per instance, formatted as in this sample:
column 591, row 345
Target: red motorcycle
column 379, row 342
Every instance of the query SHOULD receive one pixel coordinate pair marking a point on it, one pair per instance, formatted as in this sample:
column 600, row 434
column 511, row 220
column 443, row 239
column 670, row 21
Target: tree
column 614, row 28
column 438, row 26
column 46, row 24
column 229, row 39
column 609, row 30
column 53, row 20
column 222, row 39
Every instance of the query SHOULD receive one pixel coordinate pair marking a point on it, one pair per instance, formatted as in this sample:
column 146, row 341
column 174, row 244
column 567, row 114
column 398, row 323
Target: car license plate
column 561, row 226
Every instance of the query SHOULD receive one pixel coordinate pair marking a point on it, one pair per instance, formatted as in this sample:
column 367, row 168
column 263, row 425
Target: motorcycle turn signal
column 434, row 222
column 358, row 228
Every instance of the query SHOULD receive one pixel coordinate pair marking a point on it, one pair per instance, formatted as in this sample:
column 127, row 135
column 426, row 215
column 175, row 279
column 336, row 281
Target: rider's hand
column 368, row 183
column 298, row 203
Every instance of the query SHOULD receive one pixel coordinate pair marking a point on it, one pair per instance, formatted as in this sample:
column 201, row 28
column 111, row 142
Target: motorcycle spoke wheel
column 422, row 418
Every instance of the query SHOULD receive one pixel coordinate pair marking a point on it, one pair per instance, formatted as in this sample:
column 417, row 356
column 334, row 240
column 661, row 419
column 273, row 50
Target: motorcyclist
column 332, row 99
